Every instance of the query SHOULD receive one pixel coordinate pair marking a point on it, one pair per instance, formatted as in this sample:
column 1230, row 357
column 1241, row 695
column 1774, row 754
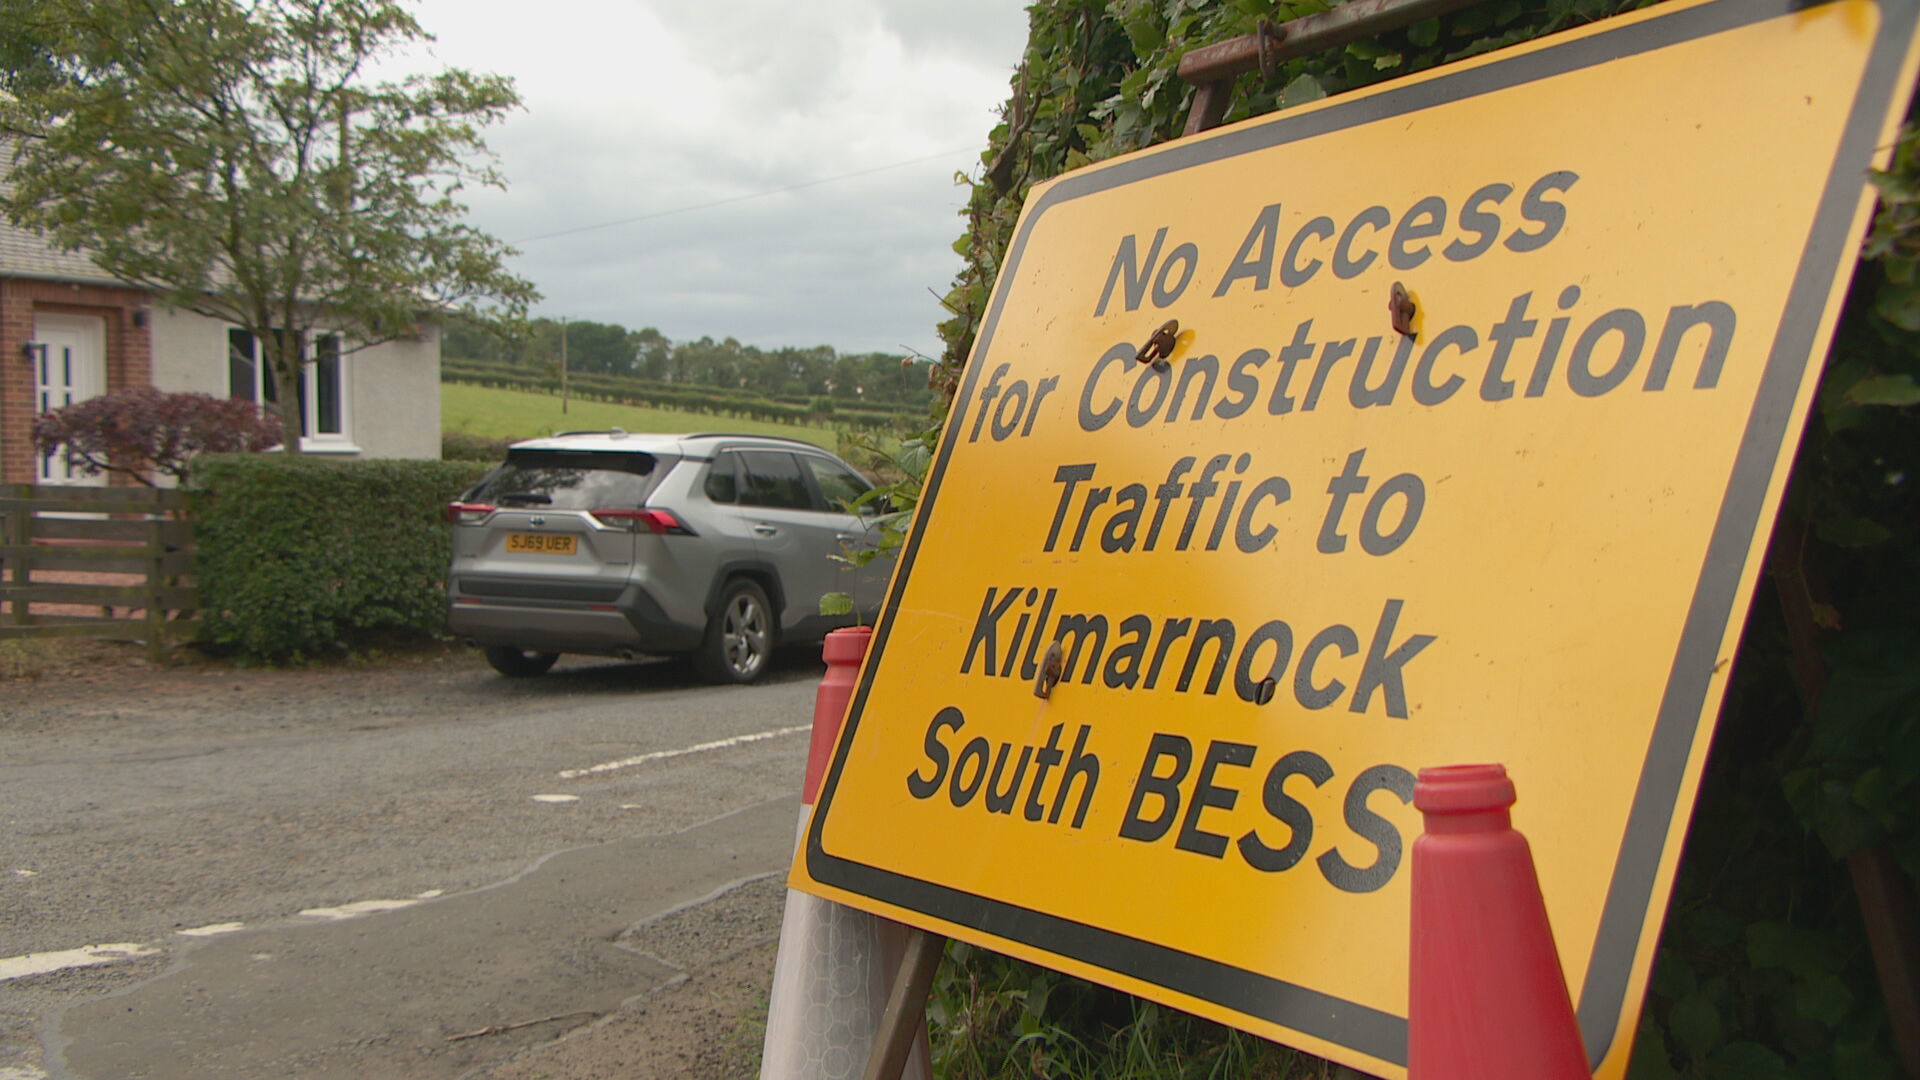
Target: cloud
column 834, row 127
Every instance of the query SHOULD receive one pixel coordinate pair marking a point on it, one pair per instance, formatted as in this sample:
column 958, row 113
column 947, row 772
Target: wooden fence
column 112, row 563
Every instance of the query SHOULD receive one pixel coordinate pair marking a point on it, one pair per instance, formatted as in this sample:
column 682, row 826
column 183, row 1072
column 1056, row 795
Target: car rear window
column 572, row 479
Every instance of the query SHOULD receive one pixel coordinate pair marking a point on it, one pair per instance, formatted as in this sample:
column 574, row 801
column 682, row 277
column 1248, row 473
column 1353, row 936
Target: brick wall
column 129, row 349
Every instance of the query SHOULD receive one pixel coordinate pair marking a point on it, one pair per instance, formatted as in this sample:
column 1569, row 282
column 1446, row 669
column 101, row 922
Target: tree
column 141, row 431
column 469, row 340
column 651, row 350
column 25, row 59
column 599, row 348
column 234, row 158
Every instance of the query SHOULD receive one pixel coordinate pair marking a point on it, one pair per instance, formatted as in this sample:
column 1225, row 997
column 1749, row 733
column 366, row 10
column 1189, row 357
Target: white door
column 70, row 365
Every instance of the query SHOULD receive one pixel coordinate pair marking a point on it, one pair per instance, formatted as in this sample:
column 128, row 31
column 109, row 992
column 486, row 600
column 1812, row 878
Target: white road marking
column 19, row 967
column 23, row 873
column 556, row 798
column 40, row 963
column 208, row 931
column 21, row 1072
column 358, row 907
column 662, row 755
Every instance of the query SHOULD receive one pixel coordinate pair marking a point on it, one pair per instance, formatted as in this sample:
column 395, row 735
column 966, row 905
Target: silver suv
column 717, row 547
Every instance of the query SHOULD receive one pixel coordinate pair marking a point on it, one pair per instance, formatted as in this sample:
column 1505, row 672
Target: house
column 68, row 331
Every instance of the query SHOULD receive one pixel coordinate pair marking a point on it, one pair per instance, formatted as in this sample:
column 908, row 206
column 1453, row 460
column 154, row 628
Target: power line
column 744, row 198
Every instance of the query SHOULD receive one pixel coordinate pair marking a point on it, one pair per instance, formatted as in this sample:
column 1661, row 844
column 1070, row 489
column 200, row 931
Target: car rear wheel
column 518, row 663
column 739, row 638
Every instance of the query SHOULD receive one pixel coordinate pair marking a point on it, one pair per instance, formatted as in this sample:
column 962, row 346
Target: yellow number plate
column 540, row 544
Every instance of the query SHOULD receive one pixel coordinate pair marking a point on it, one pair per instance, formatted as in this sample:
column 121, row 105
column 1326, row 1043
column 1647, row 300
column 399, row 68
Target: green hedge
column 631, row 390
column 465, row 446
column 297, row 556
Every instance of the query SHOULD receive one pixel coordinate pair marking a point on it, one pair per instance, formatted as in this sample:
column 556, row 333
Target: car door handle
column 765, row 530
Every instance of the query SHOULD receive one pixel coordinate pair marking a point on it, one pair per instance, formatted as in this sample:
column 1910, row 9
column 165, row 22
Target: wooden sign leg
column 906, row 1015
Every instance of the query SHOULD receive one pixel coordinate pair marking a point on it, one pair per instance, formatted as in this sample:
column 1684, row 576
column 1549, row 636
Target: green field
column 518, row 414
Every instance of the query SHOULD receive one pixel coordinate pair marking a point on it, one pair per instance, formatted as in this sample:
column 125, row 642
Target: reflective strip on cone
column 835, row 964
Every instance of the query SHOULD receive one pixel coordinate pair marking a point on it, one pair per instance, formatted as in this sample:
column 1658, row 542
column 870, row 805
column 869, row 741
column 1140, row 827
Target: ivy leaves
column 1794, row 992
column 1895, row 240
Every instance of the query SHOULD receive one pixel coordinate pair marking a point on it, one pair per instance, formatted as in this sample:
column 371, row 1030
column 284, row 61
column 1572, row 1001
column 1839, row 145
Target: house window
column 322, row 386
column 325, row 376
column 243, row 368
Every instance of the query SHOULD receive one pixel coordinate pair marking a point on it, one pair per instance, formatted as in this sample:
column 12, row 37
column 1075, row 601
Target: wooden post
column 156, row 608
column 1211, row 69
column 180, row 527
column 20, row 569
column 906, row 1013
column 1885, row 897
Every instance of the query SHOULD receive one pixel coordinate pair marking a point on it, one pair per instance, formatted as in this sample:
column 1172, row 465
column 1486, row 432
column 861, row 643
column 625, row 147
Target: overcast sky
column 656, row 109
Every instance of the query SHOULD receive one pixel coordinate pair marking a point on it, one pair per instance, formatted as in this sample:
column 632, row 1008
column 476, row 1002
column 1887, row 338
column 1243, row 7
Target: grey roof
column 24, row 253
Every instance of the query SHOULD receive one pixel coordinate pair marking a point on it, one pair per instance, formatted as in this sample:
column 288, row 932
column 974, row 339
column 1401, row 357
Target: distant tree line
column 742, row 402
column 876, row 380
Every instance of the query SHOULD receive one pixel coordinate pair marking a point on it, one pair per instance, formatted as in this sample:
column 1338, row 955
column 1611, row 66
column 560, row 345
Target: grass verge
column 38, row 658
column 997, row 1018
column 517, row 414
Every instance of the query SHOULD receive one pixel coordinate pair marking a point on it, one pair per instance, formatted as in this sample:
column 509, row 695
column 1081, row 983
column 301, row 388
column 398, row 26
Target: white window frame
column 311, row 441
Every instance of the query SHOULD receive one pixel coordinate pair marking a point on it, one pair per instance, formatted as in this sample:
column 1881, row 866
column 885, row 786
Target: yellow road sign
column 1303, row 554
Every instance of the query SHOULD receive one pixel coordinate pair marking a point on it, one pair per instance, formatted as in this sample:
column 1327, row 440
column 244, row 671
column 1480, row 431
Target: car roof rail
column 750, row 435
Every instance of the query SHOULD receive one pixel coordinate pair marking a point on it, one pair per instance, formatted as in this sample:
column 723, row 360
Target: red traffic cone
column 1487, row 1000
column 843, row 650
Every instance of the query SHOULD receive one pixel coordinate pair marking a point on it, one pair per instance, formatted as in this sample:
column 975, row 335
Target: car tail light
column 658, row 522
column 465, row 513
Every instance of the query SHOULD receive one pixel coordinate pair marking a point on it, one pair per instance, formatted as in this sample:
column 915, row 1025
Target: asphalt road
column 214, row 873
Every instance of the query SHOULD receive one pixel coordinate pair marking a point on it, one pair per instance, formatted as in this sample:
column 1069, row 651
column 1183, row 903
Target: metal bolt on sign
column 1401, row 309
column 1049, row 674
column 1160, row 345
